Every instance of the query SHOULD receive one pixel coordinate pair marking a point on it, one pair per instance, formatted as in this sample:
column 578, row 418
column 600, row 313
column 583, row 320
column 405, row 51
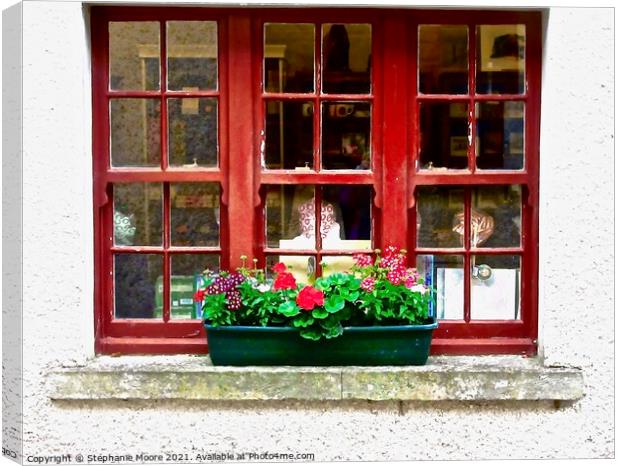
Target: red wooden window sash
column 318, row 177
column 138, row 335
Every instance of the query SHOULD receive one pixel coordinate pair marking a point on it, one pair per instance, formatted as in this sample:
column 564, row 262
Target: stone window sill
column 485, row 378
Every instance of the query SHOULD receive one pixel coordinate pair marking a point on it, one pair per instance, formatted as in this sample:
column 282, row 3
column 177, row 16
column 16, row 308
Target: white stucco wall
column 576, row 269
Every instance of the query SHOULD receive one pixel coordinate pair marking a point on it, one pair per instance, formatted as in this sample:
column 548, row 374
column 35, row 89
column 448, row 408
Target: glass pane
column 195, row 214
column 444, row 274
column 346, row 218
column 336, row 264
column 135, row 128
column 501, row 59
column 186, row 278
column 495, row 287
column 137, row 285
column 438, row 212
column 289, row 57
column 138, row 214
column 289, row 135
column 345, row 142
column 192, row 132
column 346, row 58
column 192, row 55
column 134, row 55
column 500, row 135
column 302, row 267
column 442, row 58
column 443, row 135
column 496, row 216
column 288, row 225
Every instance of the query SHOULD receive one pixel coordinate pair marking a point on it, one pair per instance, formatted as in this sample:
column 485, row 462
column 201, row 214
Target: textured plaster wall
column 576, row 270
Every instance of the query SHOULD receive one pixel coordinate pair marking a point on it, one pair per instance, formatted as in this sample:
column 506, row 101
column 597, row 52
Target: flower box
column 357, row 346
column 379, row 313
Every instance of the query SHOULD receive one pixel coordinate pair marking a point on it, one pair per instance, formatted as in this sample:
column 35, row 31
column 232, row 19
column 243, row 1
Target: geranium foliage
column 376, row 291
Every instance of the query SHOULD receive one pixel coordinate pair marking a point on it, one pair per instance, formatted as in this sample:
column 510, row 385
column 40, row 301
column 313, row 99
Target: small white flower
column 419, row 288
column 263, row 287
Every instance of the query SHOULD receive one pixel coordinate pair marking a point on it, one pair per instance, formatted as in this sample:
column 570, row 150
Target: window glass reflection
column 501, row 59
column 500, row 130
column 135, row 129
column 289, row 135
column 346, row 58
column 137, row 214
column 495, row 287
column 195, row 214
column 346, row 136
column 134, row 55
column 137, row 280
column 192, row 132
column 496, row 216
column 445, row 275
column 443, row 135
column 438, row 210
column 442, row 59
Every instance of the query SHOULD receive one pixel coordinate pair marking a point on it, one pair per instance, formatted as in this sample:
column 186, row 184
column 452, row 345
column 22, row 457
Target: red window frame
column 394, row 177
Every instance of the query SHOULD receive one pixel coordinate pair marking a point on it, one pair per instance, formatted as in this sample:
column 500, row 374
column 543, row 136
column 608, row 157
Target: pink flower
column 368, row 284
column 362, row 260
column 396, row 275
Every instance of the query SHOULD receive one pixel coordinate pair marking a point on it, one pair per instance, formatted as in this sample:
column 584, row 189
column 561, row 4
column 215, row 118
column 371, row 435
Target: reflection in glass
column 444, row 274
column 134, row 55
column 302, row 267
column 346, row 58
column 442, row 59
column 195, row 214
column 437, row 209
column 497, row 207
column 336, row 264
column 289, row 133
column 501, row 59
column 443, row 135
column 192, row 132
column 345, row 217
column 500, row 133
column 186, row 271
column 137, row 283
column 346, row 136
column 289, row 57
column 495, row 287
column 192, row 55
column 137, row 214
column 135, row 132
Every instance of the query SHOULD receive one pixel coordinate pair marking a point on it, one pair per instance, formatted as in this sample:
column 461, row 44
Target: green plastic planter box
column 358, row 346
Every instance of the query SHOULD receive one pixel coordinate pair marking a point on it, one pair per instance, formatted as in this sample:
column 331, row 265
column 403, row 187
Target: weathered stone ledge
column 469, row 378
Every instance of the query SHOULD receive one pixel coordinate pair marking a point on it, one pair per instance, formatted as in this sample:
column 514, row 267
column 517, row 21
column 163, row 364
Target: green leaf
column 288, row 308
column 334, row 331
column 304, row 320
column 310, row 334
column 334, row 303
column 319, row 313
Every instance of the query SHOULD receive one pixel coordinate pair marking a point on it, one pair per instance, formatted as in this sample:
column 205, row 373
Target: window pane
column 438, row 210
column 302, row 267
column 135, row 128
column 345, row 218
column 186, row 279
column 336, row 264
column 138, row 214
column 289, row 57
column 496, row 216
column 345, row 142
column 289, row 135
column 195, row 214
column 192, row 55
column 192, row 132
column 443, row 135
column 501, row 59
column 500, row 135
column 286, row 226
column 134, row 55
column 137, row 281
column 495, row 287
column 346, row 58
column 442, row 59
column 444, row 274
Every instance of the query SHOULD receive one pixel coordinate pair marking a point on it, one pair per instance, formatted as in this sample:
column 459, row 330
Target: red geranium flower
column 279, row 268
column 284, row 281
column 199, row 296
column 309, row 297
